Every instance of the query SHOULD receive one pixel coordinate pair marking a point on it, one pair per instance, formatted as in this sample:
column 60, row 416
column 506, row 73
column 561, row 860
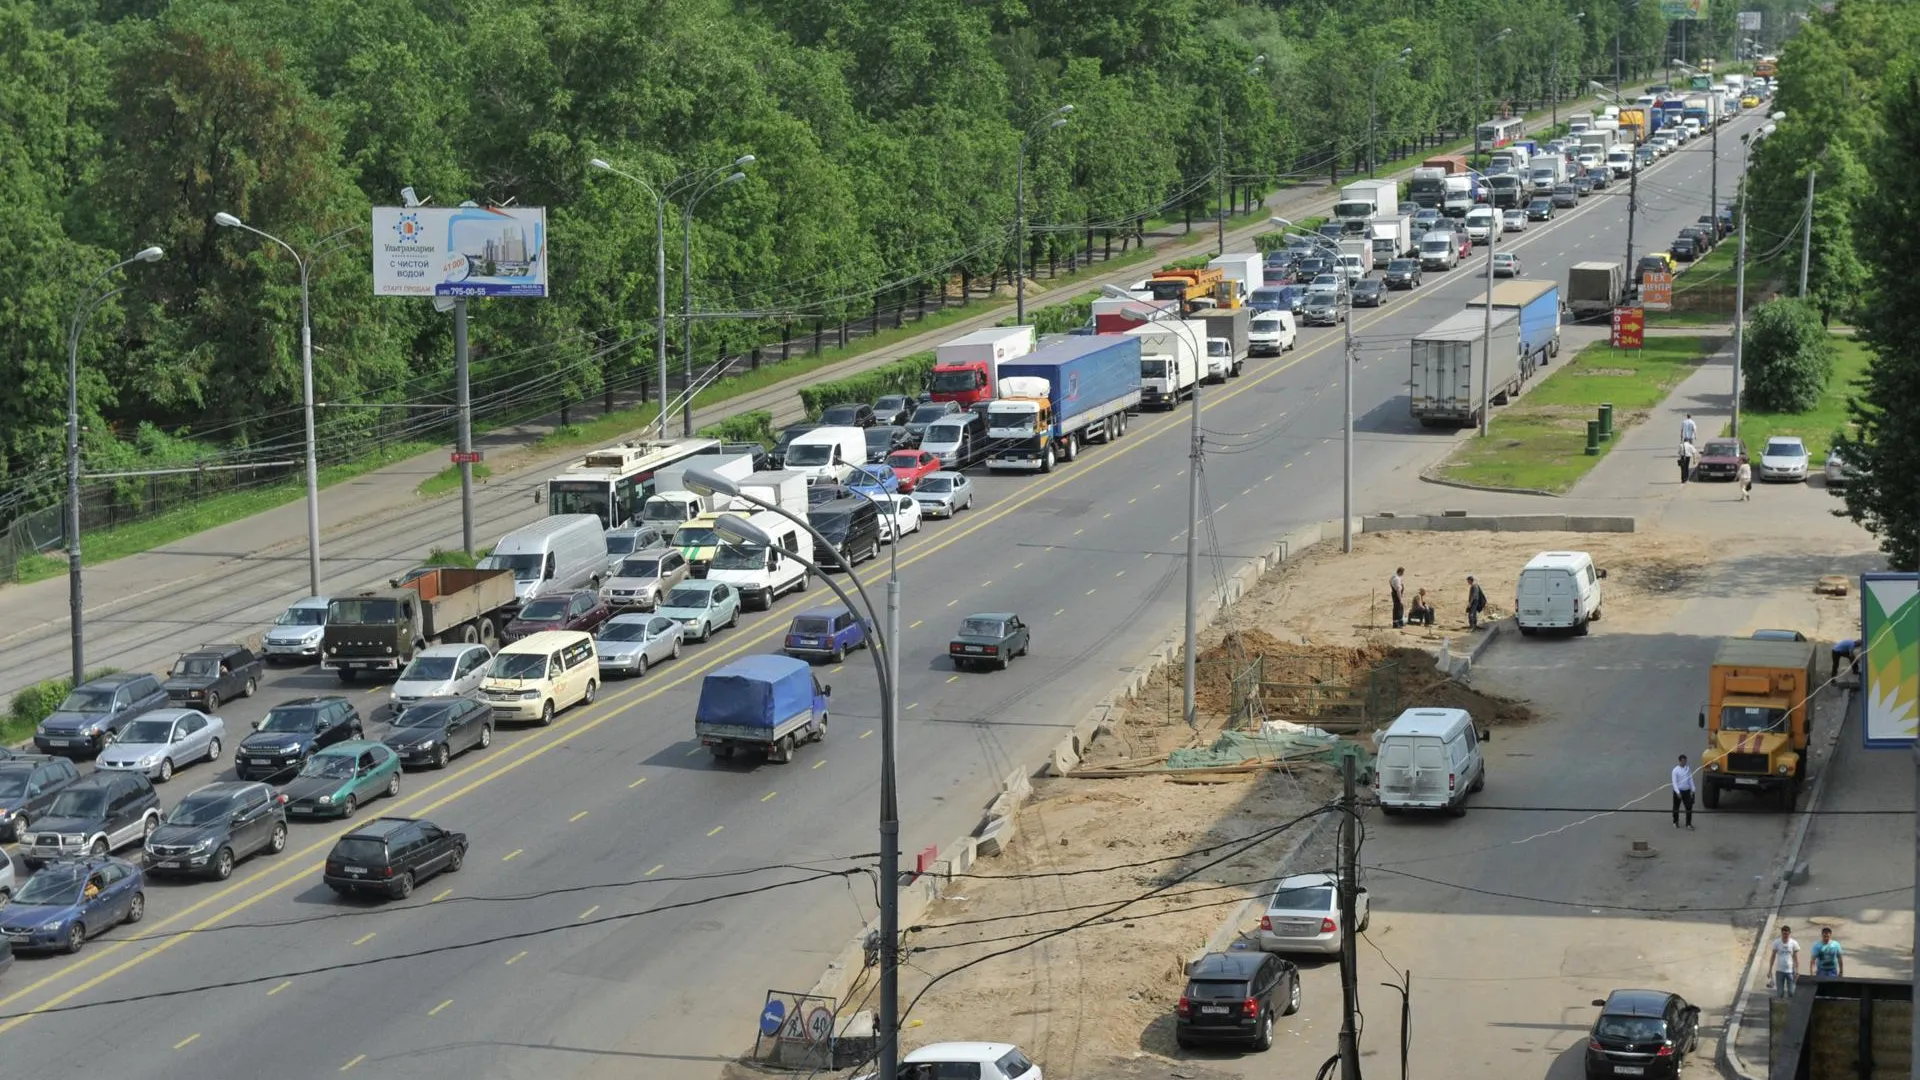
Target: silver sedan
column 629, row 644
column 160, row 741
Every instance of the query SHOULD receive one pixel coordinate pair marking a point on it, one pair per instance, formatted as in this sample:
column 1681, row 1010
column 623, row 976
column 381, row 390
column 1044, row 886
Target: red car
column 583, row 610
column 1466, row 245
column 1720, row 459
column 911, row 465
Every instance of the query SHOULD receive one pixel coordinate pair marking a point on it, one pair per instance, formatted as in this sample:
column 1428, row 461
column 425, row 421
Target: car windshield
column 524, row 567
column 890, row 403
column 425, row 668
column 1636, row 1029
column 696, row 536
column 1402, row 266
column 302, row 616
column 1782, row 448
column 300, row 720
column 907, row 459
column 688, row 598
column 639, row 568
column 840, row 415
column 13, row 785
column 200, row 810
column 787, row 435
column 147, row 731
column 623, row 631
column 1302, row 898
column 1723, row 449
column 55, row 886
column 519, row 665
column 328, row 767
column 935, row 484
column 981, row 627
column 870, row 476
column 78, row 804
column 195, row 665
column 926, row 414
column 620, row 543
column 546, row 609
column 86, row 700
column 433, row 714
column 740, row 557
column 879, row 438
column 832, row 522
column 810, row 454
column 942, row 435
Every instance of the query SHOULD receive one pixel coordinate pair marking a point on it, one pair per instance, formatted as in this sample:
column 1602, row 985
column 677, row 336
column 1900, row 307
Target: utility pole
column 1739, row 313
column 1806, row 237
column 1349, row 931
column 1486, row 340
column 463, row 404
column 1633, row 208
column 1196, row 449
column 1713, row 185
column 1915, row 1030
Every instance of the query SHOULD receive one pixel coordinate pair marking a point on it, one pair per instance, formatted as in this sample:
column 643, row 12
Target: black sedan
column 1685, row 249
column 1600, row 178
column 1369, row 292
column 893, row 409
column 433, row 731
column 989, row 640
column 1583, row 186
column 1540, row 210
column 1643, row 1034
column 1566, row 196
column 848, row 414
column 1403, row 274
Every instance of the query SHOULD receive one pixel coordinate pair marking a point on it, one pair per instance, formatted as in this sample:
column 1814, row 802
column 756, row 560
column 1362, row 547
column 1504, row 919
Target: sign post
column 1629, row 327
column 1656, row 292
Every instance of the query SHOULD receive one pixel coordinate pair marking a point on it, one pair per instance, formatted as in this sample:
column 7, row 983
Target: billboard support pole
column 464, row 405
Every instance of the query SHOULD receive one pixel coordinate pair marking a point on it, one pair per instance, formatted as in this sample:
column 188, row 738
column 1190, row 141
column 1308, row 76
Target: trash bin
column 1593, row 438
column 1606, row 421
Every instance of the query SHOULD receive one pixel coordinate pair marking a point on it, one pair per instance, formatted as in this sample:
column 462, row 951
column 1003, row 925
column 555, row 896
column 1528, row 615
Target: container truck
column 967, row 368
column 765, row 704
column 1246, row 271
column 1231, row 328
column 1447, row 385
column 1428, row 188
column 1702, row 107
column 1507, row 190
column 1392, row 238
column 1759, row 711
column 1538, row 304
column 379, row 630
column 1547, row 173
column 1593, row 288
column 1364, row 199
column 671, row 503
column 784, row 488
column 1115, row 315
column 1071, row 390
column 1461, row 191
column 1633, row 126
column 1172, row 360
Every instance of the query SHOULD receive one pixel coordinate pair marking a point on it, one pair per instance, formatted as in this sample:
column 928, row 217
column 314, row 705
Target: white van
column 1429, row 759
column 542, row 674
column 827, row 451
column 762, row 575
column 1558, row 590
column 557, row 554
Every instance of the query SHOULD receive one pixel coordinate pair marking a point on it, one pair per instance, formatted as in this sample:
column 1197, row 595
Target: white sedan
column 943, row 494
column 900, row 508
column 1785, row 458
column 1303, row 915
column 629, row 644
column 160, row 741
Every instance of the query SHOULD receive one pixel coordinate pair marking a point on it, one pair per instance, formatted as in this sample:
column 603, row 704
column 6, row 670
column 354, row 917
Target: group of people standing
column 1690, row 457
column 1420, row 612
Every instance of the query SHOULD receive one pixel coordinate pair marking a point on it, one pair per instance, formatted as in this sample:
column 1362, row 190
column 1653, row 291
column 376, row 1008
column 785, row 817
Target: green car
column 335, row 781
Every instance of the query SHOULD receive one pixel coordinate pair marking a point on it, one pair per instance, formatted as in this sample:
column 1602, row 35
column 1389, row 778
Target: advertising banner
column 460, row 251
column 1684, row 9
column 1629, row 327
column 1656, row 292
column 1890, row 664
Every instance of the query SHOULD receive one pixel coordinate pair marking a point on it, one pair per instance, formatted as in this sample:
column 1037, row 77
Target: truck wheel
column 782, row 751
column 1710, row 795
column 1073, row 446
column 469, row 634
column 1790, row 794
column 489, row 634
column 1046, row 462
column 1580, row 629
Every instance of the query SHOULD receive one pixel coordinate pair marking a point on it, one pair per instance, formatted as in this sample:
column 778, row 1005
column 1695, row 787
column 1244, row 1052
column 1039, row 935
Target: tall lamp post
column 1346, row 391
column 660, row 197
column 1057, row 120
column 90, row 301
column 1740, row 267
column 1553, row 77
column 305, row 263
column 1373, row 100
column 886, row 669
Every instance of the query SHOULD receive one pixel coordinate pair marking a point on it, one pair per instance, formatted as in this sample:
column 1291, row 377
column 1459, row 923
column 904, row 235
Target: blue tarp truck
column 1538, row 303
column 1068, row 392
column 761, row 704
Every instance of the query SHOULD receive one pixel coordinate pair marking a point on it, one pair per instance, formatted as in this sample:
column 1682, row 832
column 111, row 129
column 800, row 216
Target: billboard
column 1749, row 20
column 459, row 251
column 1629, row 327
column 1890, row 668
column 1684, row 9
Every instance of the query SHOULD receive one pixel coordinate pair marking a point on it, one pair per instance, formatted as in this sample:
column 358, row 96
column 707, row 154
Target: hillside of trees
column 885, row 135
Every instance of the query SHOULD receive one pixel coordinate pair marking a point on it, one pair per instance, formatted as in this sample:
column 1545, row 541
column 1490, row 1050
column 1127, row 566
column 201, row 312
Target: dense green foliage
column 1788, row 358
column 755, row 426
column 907, row 375
column 35, row 702
column 886, row 136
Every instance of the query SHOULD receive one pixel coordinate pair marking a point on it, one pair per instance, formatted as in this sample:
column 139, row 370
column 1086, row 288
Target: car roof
column 945, row 474
column 119, row 678
column 1305, row 881
column 168, row 714
column 1235, row 965
column 960, row 1051
column 350, row 747
column 992, row 615
column 1795, row 439
column 825, row 612
column 380, row 828
column 458, row 648
column 311, row 601
column 224, row 788
column 308, row 702
column 1636, row 1003
column 1436, row 722
column 101, row 778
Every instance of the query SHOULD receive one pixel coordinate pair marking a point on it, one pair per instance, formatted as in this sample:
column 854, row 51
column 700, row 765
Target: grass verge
column 1817, row 425
column 1539, row 442
column 448, row 479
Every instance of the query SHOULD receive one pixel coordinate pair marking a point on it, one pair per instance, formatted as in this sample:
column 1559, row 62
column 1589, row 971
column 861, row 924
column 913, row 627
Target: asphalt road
column 616, row 811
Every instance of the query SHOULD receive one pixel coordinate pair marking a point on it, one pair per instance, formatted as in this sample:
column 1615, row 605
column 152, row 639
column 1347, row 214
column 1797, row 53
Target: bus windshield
column 1752, row 718
column 580, row 497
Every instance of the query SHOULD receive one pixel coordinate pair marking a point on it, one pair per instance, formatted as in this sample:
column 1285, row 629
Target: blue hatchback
column 873, row 480
column 65, row 903
column 828, row 633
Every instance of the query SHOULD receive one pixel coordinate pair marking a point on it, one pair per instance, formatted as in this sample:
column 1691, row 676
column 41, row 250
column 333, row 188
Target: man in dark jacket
column 1476, row 603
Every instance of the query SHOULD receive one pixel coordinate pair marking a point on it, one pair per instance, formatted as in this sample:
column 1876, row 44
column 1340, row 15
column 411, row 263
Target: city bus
column 1497, row 133
column 1764, row 67
column 612, row 483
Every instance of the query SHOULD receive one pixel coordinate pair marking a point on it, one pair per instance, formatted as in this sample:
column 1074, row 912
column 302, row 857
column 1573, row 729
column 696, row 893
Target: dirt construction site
column 1071, row 942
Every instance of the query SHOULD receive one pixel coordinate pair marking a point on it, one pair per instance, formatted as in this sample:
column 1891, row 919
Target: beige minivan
column 541, row 674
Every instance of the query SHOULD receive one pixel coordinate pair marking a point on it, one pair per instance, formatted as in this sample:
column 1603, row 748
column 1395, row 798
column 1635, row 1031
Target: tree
column 1788, row 357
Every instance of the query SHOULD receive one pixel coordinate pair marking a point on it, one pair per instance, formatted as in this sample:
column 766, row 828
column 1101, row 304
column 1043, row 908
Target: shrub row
column 907, row 375
column 755, row 426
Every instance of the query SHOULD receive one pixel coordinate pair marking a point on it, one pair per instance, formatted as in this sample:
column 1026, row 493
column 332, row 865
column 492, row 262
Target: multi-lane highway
column 527, row 963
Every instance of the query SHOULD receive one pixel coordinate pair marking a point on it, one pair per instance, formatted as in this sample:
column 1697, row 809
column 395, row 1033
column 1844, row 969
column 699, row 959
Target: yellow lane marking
column 636, row 783
column 587, row 913
column 1059, row 613
column 866, row 733
column 576, row 817
column 915, row 705
column 521, row 955
column 657, row 867
column 819, row 763
column 715, row 831
column 279, row 988
column 1093, row 590
column 444, row 893
column 364, row 938
column 182, row 1044
column 953, row 678
column 768, row 796
column 357, row 1060
column 435, row 1011
column 511, row 855
column 915, row 625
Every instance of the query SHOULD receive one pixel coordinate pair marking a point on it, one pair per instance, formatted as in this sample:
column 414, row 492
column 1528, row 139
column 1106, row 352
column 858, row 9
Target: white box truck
column 1247, row 270
column 1365, row 199
column 1170, row 360
column 1392, row 238
column 1447, row 385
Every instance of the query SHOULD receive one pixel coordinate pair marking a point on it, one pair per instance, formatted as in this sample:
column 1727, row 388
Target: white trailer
column 1247, row 270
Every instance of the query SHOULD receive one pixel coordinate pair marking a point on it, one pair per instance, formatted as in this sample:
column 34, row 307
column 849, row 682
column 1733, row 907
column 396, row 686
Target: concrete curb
column 1783, row 872
column 1460, row 521
column 1455, row 665
column 1427, row 478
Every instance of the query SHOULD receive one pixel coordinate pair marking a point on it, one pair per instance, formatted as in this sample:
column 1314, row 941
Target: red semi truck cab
column 967, row 369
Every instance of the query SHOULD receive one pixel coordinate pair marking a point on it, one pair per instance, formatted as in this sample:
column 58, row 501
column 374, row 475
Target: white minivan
column 762, row 575
column 827, row 451
column 557, row 554
column 1558, row 590
column 1429, row 759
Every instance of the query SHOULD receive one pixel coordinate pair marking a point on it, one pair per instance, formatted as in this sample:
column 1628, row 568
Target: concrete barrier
column 1458, row 522
column 1455, row 660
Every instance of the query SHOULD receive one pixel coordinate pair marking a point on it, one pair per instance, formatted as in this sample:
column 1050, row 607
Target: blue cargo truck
column 1538, row 304
column 1068, row 392
column 763, row 705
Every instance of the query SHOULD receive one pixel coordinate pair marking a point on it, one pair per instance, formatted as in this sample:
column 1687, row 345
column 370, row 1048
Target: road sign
column 772, row 1017
column 1656, row 292
column 1890, row 661
column 819, row 1025
column 1749, row 20
column 1629, row 327
column 465, row 457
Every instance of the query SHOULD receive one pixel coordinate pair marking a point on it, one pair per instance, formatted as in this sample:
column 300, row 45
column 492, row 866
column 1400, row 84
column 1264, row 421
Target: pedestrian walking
column 1786, row 964
column 1476, row 603
column 1687, row 457
column 1848, row 651
column 1744, row 478
column 1687, row 429
column 1397, row 585
column 1682, row 781
column 1829, row 959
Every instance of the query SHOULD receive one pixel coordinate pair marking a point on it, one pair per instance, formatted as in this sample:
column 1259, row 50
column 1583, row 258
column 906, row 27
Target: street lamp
column 226, row 220
column 1554, row 73
column 1740, row 266
column 660, row 196
column 686, row 279
column 886, row 666
column 90, row 301
column 1373, row 100
column 1486, row 341
column 1053, row 123
column 1346, row 389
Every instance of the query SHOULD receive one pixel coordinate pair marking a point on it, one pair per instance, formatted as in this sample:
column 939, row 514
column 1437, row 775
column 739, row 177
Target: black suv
column 217, row 826
column 391, row 855
column 1230, row 997
column 291, row 732
column 27, row 786
column 211, row 674
column 849, row 414
column 98, row 814
column 95, row 709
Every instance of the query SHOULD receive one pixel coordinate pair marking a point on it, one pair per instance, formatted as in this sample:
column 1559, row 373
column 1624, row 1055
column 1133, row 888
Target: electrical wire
column 1642, row 909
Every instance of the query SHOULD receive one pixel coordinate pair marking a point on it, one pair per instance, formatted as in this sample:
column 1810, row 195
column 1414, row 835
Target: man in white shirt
column 1682, row 792
column 1687, row 429
column 1397, row 587
column 1786, row 964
